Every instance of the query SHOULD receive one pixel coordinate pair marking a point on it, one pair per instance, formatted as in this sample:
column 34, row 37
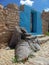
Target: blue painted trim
column 25, row 19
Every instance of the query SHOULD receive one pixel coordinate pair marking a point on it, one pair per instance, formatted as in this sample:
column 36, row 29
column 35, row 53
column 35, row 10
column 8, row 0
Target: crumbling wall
column 9, row 18
column 45, row 21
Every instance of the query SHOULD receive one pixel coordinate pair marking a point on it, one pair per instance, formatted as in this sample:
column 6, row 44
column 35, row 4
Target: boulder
column 16, row 37
column 34, row 46
column 22, row 50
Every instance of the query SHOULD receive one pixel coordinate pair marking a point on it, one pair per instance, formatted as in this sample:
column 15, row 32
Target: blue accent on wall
column 39, row 23
column 25, row 20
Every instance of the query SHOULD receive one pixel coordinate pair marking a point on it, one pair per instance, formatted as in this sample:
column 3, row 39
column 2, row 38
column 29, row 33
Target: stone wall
column 9, row 18
column 45, row 22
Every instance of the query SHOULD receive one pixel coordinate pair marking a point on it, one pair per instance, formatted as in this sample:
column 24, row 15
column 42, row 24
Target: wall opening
column 32, row 22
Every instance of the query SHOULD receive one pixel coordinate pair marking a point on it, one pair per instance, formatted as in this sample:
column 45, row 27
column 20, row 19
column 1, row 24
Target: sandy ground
column 41, row 57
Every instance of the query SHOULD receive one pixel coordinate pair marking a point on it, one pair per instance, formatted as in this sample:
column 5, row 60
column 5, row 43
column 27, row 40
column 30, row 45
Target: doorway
column 32, row 25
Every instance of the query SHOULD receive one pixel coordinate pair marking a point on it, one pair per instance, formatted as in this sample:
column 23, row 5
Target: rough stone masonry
column 9, row 18
column 45, row 22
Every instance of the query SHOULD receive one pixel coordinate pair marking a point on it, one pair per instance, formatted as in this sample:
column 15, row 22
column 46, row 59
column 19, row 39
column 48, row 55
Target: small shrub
column 14, row 59
column 47, row 33
column 23, row 61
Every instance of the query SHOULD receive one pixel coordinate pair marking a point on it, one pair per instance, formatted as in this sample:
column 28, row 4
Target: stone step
column 40, row 36
column 33, row 36
column 44, row 39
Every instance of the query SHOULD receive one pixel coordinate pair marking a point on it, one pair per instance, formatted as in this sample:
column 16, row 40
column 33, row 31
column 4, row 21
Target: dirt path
column 41, row 57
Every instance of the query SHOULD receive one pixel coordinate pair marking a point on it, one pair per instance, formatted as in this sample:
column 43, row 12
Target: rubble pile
column 24, row 44
column 40, row 58
column 9, row 18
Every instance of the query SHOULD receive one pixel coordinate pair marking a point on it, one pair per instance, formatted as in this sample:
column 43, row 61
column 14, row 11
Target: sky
column 41, row 4
column 38, row 5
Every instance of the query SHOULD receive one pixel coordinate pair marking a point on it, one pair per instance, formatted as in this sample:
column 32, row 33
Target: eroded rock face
column 9, row 18
column 45, row 22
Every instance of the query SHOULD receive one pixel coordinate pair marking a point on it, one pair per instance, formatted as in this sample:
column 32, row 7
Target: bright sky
column 26, row 2
column 38, row 5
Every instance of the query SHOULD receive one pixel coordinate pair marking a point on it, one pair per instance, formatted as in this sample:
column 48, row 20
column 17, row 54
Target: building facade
column 30, row 20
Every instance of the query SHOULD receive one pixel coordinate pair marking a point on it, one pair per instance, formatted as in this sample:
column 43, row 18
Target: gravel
column 41, row 57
